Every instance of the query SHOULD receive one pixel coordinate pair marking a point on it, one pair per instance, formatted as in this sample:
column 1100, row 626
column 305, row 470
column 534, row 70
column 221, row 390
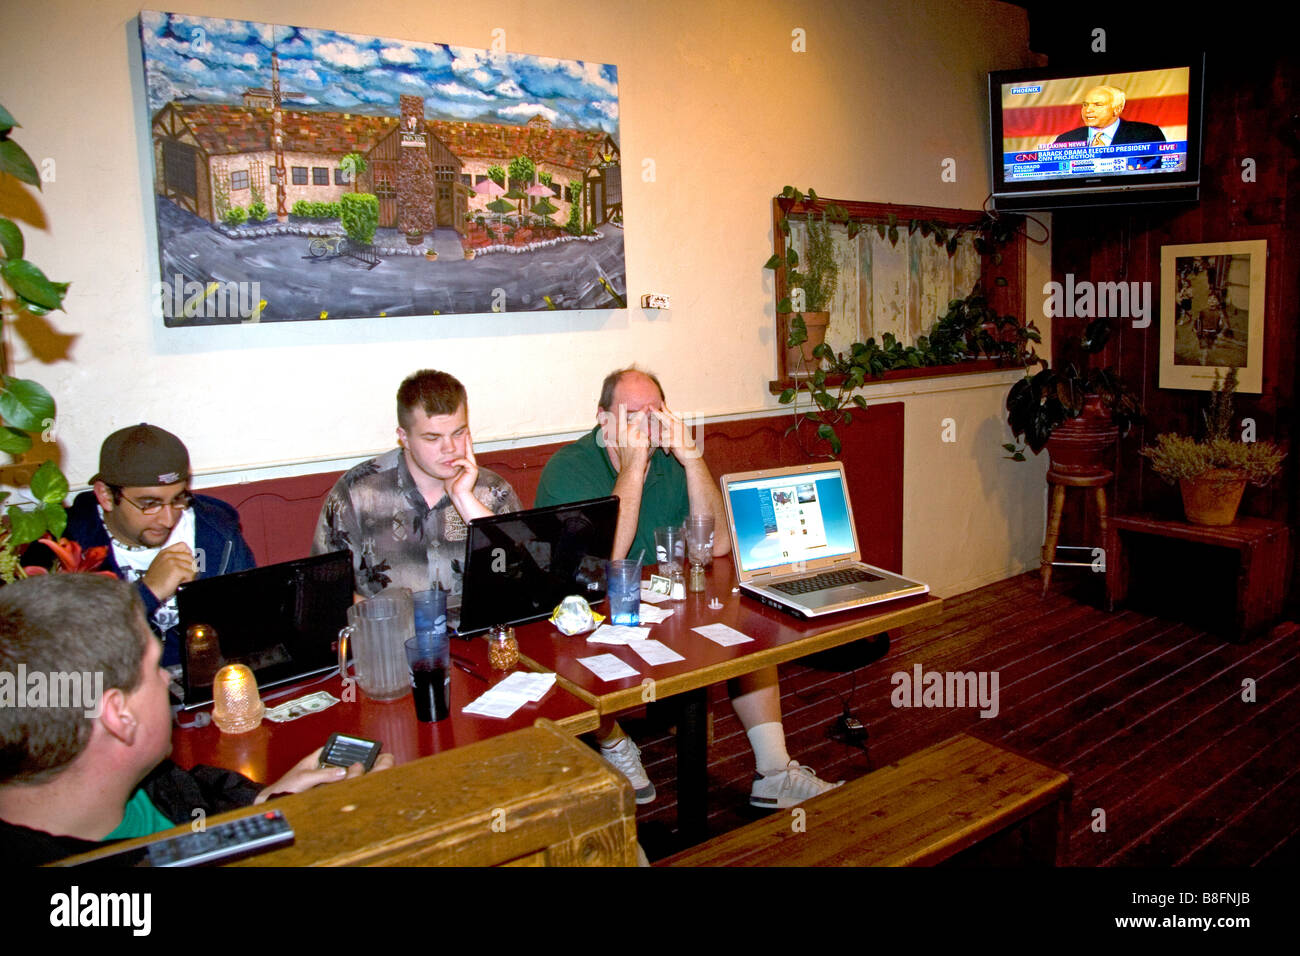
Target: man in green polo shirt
column 644, row 454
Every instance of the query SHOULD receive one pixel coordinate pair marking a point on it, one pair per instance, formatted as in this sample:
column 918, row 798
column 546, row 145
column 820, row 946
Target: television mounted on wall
column 1097, row 135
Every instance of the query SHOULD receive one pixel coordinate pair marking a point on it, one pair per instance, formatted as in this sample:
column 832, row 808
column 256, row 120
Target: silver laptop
column 794, row 544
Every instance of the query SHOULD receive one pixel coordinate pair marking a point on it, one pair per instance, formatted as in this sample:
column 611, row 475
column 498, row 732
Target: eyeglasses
column 151, row 506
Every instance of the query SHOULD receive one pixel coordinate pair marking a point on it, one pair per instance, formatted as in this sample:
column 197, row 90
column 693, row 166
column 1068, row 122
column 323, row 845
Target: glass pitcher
column 378, row 629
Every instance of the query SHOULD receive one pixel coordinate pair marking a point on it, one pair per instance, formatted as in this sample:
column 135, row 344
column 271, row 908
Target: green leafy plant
column 257, row 211
column 353, row 165
column 235, row 216
column 969, row 329
column 521, row 172
column 359, row 213
column 26, row 408
column 1044, row 400
column 1176, row 457
column 819, row 278
column 221, row 194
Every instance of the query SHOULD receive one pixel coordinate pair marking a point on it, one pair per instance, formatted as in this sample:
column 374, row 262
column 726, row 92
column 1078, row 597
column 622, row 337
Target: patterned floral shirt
column 376, row 512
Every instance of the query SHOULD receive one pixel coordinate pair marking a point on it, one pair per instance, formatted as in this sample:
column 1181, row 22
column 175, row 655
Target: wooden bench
column 925, row 809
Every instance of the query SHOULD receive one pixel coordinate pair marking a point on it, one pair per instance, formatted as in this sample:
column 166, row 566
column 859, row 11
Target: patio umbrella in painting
column 538, row 189
column 545, row 208
column 490, row 188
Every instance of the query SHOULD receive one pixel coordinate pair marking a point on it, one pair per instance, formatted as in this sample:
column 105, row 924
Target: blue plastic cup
column 623, row 583
column 430, row 611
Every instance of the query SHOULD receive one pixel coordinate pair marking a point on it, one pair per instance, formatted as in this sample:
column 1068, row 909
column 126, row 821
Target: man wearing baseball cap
column 158, row 535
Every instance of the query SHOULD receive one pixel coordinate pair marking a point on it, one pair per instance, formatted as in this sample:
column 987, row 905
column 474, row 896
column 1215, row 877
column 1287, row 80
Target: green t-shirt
column 583, row 470
column 141, row 818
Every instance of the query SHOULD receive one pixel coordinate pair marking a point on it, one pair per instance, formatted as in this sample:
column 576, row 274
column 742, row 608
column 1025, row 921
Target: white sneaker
column 787, row 787
column 625, row 757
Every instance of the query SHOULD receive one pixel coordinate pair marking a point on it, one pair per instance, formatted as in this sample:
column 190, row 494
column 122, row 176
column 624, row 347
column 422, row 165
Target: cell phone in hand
column 343, row 750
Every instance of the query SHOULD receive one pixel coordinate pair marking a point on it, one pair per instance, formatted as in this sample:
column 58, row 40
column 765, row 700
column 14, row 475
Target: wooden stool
column 1059, row 483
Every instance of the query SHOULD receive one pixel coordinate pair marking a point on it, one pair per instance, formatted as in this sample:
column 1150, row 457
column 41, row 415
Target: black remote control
column 223, row 841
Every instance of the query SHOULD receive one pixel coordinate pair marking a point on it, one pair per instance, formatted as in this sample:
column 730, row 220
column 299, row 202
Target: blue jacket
column 216, row 533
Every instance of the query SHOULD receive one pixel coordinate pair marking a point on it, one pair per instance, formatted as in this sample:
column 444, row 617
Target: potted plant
column 803, row 315
column 1073, row 410
column 1212, row 474
column 26, row 407
column 968, row 330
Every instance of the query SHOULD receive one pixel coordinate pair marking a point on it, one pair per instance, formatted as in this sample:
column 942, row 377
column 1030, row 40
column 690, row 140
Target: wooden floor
column 1170, row 765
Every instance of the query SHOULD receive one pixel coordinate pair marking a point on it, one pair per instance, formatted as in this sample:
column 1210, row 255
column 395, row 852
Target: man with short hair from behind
column 158, row 534
column 644, row 453
column 404, row 515
column 75, row 773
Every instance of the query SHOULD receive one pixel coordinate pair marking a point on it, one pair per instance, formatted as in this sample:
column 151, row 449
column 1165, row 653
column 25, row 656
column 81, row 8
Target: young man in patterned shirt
column 403, row 515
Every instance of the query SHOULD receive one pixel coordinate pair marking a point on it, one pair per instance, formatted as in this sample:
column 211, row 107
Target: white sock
column 768, row 741
column 615, row 738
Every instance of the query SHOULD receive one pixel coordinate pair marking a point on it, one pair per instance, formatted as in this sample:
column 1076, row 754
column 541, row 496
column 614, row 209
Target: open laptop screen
column 788, row 518
column 520, row 565
column 281, row 620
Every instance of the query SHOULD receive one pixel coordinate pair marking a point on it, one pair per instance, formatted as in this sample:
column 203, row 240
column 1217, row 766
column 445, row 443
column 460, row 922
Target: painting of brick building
column 345, row 176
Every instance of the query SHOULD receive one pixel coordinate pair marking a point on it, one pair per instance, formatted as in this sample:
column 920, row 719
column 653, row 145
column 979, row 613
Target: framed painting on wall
column 309, row 174
column 1212, row 314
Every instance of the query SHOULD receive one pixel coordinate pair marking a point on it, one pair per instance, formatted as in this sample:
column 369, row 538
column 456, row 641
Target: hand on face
column 674, row 436
column 173, row 566
column 462, row 483
column 633, row 443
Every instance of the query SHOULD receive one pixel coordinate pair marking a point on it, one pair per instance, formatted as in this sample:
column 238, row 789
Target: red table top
column 267, row 753
column 777, row 637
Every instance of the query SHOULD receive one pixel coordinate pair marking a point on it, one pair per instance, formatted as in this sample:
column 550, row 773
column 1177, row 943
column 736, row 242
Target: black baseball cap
column 142, row 456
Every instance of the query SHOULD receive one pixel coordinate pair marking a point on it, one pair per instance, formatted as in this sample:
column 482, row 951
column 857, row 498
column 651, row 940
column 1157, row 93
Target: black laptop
column 520, row 565
column 282, row 621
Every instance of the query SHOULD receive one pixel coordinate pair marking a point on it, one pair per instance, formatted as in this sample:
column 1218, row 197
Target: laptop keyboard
column 822, row 582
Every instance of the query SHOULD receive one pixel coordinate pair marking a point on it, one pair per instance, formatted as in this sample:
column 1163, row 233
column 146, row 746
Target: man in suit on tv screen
column 1101, row 109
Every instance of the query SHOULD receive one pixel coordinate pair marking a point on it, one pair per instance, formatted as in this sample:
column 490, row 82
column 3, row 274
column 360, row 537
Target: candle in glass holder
column 237, row 707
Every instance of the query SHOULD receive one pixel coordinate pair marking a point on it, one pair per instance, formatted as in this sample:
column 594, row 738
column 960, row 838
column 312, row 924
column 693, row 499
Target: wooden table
column 267, row 753
column 777, row 638
column 1262, row 547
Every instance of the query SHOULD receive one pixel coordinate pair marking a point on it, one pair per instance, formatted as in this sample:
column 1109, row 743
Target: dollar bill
column 301, row 707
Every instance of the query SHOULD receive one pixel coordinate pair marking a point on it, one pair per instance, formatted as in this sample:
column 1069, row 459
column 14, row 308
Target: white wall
column 710, row 91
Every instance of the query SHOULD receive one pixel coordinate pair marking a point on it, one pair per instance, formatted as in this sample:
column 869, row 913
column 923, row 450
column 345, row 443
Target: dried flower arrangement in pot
column 1212, row 474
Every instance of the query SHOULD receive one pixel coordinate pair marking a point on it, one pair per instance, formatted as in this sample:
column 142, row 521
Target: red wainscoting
column 279, row 515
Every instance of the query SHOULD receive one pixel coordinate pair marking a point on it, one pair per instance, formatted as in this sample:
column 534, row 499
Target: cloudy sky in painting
column 214, row 61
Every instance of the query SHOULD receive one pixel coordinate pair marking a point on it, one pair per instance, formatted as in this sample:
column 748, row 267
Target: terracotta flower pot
column 799, row 361
column 1078, row 447
column 1213, row 497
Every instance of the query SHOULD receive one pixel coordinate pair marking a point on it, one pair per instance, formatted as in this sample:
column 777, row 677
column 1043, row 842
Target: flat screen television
column 1044, row 126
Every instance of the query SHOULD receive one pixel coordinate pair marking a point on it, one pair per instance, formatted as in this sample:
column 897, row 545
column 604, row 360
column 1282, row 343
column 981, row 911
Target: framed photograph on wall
column 1212, row 314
